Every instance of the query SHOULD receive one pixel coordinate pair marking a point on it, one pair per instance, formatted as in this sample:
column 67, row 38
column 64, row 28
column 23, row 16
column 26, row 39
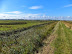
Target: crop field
column 7, row 25
column 35, row 37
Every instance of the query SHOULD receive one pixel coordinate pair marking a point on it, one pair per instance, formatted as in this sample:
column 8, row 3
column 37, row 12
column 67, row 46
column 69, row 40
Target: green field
column 5, row 27
column 63, row 42
column 35, row 37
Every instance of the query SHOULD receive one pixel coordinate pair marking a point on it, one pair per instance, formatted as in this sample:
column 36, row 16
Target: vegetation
column 14, row 25
column 27, row 37
column 63, row 41
column 28, row 41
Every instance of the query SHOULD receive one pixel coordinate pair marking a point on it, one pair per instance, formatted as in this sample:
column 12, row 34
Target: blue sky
column 36, row 7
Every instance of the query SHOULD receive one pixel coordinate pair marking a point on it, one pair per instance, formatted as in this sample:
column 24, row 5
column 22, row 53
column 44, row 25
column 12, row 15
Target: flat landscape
column 35, row 26
column 35, row 37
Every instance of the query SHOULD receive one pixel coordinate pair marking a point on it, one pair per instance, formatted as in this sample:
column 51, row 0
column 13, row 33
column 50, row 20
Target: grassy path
column 59, row 42
column 63, row 42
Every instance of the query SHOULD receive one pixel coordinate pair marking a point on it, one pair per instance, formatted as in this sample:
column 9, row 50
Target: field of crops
column 7, row 25
column 35, row 37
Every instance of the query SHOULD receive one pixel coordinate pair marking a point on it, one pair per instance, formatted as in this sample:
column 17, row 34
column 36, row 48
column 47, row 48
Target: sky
column 26, row 8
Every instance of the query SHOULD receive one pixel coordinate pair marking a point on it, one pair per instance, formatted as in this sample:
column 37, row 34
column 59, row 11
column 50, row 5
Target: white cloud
column 14, row 12
column 32, row 16
column 17, row 16
column 35, row 7
column 70, row 5
column 8, row 16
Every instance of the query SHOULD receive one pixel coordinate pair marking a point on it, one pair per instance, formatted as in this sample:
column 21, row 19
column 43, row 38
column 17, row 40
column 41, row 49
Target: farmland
column 35, row 37
column 13, row 25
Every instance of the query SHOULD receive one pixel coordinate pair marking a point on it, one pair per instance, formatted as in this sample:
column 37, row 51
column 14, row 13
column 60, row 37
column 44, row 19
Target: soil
column 47, row 48
column 68, row 25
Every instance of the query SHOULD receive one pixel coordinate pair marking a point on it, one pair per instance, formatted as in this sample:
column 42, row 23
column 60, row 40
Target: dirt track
column 47, row 48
